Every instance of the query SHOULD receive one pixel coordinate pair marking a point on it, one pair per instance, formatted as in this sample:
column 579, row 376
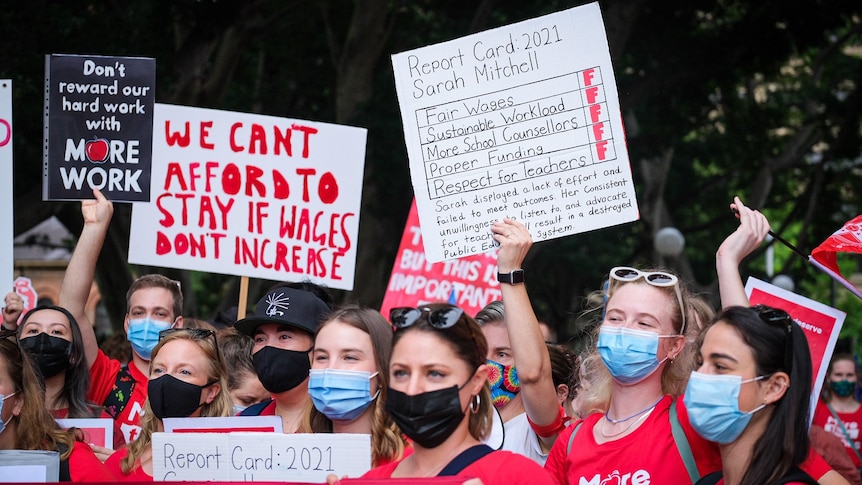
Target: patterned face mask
column 504, row 383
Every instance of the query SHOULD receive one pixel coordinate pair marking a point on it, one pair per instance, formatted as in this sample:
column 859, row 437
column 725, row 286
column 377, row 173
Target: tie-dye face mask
column 504, row 383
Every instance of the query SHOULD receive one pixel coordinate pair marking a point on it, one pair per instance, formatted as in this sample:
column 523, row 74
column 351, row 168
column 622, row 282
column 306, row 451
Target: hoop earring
column 474, row 404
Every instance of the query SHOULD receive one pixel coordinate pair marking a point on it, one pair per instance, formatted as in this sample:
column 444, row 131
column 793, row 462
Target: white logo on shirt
column 639, row 477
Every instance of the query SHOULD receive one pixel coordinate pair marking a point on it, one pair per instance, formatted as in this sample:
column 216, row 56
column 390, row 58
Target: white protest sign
column 249, row 457
column 29, row 466
column 95, row 431
column 7, row 226
column 522, row 121
column 251, row 195
column 270, row 424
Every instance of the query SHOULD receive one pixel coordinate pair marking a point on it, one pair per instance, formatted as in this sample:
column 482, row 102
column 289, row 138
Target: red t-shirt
column 648, row 454
column 852, row 423
column 85, row 466
column 495, row 467
column 103, row 376
column 136, row 475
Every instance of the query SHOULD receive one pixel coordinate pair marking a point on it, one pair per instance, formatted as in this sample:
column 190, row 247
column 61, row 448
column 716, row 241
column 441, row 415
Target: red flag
column 848, row 239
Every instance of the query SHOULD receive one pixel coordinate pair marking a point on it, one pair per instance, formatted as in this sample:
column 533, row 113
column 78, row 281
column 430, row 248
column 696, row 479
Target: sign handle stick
column 243, row 297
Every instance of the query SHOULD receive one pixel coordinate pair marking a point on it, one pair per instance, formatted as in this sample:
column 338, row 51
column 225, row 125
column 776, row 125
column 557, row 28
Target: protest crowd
column 667, row 392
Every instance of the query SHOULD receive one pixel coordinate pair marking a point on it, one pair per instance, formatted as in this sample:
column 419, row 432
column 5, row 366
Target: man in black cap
column 283, row 327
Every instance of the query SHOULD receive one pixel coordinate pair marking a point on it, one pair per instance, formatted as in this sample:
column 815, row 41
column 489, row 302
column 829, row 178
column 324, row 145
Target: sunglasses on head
column 195, row 333
column 655, row 278
column 446, row 317
column 781, row 320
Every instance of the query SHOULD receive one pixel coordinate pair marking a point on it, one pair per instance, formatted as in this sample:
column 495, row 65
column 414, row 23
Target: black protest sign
column 98, row 127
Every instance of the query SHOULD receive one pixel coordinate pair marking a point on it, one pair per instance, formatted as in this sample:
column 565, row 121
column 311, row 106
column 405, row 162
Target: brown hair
column 221, row 406
column 35, row 429
column 387, row 444
column 157, row 281
column 467, row 341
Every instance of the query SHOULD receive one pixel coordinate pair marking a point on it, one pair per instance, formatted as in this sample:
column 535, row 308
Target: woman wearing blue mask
column 349, row 378
column 751, row 396
column 637, row 371
column 188, row 378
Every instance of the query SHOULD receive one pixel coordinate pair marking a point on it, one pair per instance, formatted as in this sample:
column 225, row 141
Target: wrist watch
column 514, row 277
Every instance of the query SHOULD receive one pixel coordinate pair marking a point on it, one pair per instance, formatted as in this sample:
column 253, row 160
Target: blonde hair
column 596, row 393
column 221, row 405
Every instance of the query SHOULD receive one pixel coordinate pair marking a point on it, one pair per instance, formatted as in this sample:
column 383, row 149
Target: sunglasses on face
column 440, row 318
column 659, row 279
column 195, row 333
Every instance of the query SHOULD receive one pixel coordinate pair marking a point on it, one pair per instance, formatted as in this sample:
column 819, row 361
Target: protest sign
column 469, row 282
column 6, row 207
column 252, row 195
column 249, row 457
column 95, row 431
column 522, row 121
column 821, row 324
column 29, row 466
column 98, row 127
column 231, row 424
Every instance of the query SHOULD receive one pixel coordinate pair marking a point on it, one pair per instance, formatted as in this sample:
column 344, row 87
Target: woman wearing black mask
column 440, row 397
column 50, row 336
column 187, row 377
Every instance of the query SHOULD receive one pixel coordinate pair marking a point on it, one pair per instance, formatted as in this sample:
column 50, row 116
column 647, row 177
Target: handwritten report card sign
column 259, row 457
column 522, row 121
column 98, row 127
column 252, row 195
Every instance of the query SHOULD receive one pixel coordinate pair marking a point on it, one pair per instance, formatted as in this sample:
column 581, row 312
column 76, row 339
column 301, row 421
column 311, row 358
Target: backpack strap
column 572, row 437
column 797, row 475
column 120, row 394
column 711, row 479
column 465, row 459
column 65, row 474
column 255, row 409
column 682, row 444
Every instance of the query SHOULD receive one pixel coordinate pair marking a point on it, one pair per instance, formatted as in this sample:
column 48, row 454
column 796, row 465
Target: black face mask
column 51, row 354
column 428, row 418
column 174, row 398
column 281, row 370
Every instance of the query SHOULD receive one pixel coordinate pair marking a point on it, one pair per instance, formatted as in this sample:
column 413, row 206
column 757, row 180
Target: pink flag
column 848, row 239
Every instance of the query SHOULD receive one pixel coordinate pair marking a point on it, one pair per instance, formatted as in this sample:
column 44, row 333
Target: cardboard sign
column 29, row 466
column 7, row 216
column 821, row 325
column 522, row 121
column 469, row 282
column 249, row 457
column 97, row 431
column 98, row 127
column 232, row 424
column 252, row 195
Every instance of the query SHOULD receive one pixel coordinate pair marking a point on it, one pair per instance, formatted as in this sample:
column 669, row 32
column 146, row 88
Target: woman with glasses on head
column 751, row 396
column 25, row 423
column 187, row 379
column 349, row 378
column 439, row 396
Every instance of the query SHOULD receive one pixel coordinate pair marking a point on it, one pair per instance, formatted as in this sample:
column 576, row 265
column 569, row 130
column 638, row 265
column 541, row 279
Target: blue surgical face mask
column 4, row 423
column 144, row 335
column 712, row 402
column 238, row 408
column 341, row 395
column 630, row 355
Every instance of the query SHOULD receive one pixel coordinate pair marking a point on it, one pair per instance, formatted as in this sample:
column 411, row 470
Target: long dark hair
column 77, row 380
column 777, row 344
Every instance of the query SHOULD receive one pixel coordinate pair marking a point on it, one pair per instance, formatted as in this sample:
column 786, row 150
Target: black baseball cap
column 289, row 306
